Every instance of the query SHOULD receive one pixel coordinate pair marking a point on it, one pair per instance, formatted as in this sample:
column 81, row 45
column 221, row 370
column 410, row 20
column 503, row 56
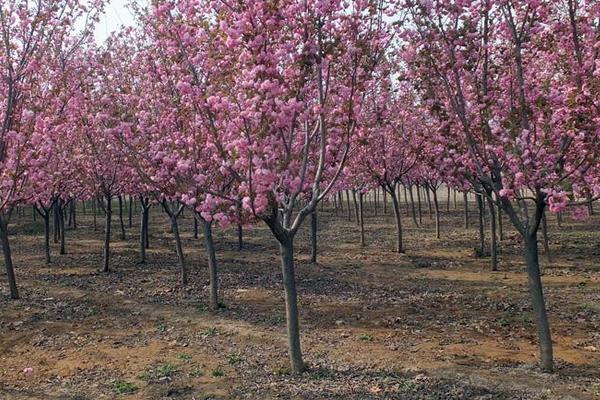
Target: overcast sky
column 116, row 15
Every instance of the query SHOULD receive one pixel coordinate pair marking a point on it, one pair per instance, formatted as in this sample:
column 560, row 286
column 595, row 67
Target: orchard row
column 257, row 111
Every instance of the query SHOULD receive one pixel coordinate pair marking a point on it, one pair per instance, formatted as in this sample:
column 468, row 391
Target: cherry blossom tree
column 514, row 96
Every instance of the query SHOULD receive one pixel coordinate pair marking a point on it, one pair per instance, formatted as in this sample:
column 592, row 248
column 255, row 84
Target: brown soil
column 433, row 323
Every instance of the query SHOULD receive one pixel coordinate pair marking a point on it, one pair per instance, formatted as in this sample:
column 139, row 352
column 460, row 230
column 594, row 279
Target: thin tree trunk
column 448, row 200
column 437, row 213
column 61, row 210
column 545, row 238
column 108, row 211
column 481, row 225
column 313, row 236
column 454, row 196
column 94, row 214
column 361, row 218
column 426, row 188
column 539, row 305
column 121, row 217
column 406, row 200
column 419, row 208
column 384, row 202
column 143, row 222
column 396, row 204
column 130, row 212
column 291, row 305
column 500, row 224
column 348, row 204
column 46, row 216
column 8, row 264
column 356, row 212
column 56, row 221
column 494, row 245
column 212, row 264
column 178, row 248
column 412, row 205
column 466, row 204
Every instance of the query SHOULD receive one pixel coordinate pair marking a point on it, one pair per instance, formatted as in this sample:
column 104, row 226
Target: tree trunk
column 147, row 224
column 10, row 272
column 412, row 205
column 466, row 204
column 419, row 209
column 500, row 224
column 436, row 206
column 537, row 299
column 46, row 216
column 448, row 200
column 384, row 202
column 356, row 212
column 195, row 228
column 108, row 210
column 130, row 212
column 545, row 238
column 62, row 214
column 212, row 264
column 313, row 236
column 430, row 209
column 94, row 214
column 178, row 248
column 56, row 221
column 494, row 245
column 348, row 204
column 481, row 225
column 361, row 218
column 291, row 304
column 121, row 217
column 396, row 204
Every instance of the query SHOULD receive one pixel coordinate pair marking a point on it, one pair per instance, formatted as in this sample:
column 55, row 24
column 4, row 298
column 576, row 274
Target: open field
column 433, row 323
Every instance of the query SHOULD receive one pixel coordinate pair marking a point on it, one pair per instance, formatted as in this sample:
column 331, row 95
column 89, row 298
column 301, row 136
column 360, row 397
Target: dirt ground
column 433, row 323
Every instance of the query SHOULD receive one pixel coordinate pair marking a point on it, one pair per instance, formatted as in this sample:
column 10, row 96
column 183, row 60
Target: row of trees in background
column 259, row 110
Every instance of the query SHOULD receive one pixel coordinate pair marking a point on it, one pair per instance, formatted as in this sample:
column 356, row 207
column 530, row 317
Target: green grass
column 365, row 337
column 123, row 387
column 161, row 371
column 208, row 332
column 218, row 372
column 184, row 356
column 234, row 358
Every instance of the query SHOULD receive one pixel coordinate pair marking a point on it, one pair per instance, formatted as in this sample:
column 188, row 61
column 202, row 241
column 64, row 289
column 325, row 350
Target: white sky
column 116, row 15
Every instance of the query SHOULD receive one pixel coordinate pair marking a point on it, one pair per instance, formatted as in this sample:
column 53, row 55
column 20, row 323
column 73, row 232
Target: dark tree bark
column 481, row 225
column 8, row 264
column 314, row 226
column 108, row 220
column 419, row 209
column 61, row 222
column 396, row 204
column 121, row 217
column 546, row 241
column 412, row 205
column 173, row 216
column 361, row 218
column 130, row 212
column 348, row 204
column 466, row 204
column 494, row 245
column 356, row 211
column 212, row 263
column 437, row 212
column 539, row 304
column 94, row 214
column 45, row 214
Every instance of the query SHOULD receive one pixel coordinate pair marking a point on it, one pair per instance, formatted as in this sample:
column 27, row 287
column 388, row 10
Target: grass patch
column 208, row 332
column 234, row 358
column 365, row 337
column 159, row 372
column 123, row 387
column 218, row 372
